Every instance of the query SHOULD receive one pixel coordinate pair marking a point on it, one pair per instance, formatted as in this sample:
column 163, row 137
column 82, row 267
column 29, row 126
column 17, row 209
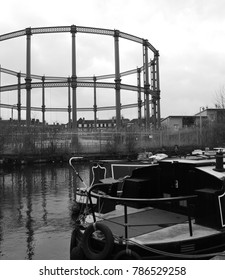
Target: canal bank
column 27, row 159
column 13, row 158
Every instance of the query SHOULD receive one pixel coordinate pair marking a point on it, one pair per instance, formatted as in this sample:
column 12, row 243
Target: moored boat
column 118, row 169
column 173, row 209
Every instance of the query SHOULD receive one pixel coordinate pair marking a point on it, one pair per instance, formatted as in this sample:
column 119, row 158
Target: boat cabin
column 174, row 178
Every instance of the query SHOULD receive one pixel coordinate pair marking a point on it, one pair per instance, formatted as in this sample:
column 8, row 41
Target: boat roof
column 203, row 164
column 194, row 160
column 211, row 170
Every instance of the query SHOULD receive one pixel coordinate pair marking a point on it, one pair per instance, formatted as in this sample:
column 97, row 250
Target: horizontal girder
column 102, row 108
column 78, row 29
column 90, row 78
column 89, row 84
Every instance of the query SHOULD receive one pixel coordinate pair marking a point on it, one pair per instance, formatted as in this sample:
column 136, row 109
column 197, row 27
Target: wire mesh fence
column 85, row 142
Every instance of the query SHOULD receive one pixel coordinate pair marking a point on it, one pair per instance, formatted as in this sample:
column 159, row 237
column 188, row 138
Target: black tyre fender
column 73, row 240
column 88, row 249
column 77, row 253
column 127, row 255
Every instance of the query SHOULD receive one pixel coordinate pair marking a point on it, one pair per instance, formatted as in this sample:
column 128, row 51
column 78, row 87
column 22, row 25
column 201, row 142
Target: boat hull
column 195, row 248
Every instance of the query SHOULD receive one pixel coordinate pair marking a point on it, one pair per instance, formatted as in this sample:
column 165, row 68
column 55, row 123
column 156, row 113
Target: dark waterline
column 35, row 205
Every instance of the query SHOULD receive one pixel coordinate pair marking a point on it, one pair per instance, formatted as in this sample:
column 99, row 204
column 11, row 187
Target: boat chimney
column 219, row 162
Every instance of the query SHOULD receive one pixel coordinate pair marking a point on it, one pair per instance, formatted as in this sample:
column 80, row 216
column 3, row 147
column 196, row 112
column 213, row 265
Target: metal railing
column 125, row 201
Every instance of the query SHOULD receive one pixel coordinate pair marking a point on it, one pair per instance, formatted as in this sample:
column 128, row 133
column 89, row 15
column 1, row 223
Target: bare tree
column 220, row 98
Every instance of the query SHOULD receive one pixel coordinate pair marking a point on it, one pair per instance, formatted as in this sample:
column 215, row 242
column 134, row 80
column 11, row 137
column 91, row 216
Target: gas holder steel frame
column 149, row 70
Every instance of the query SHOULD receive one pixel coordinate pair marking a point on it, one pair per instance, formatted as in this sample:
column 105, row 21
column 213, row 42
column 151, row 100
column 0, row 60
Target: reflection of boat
column 174, row 209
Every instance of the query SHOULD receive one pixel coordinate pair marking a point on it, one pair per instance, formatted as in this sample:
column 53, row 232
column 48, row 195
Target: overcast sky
column 189, row 34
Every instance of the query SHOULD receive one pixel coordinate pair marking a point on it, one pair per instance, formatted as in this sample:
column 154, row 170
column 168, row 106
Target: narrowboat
column 170, row 209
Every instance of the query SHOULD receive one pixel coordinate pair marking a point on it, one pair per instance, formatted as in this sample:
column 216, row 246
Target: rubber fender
column 73, row 240
column 127, row 255
column 77, row 253
column 90, row 252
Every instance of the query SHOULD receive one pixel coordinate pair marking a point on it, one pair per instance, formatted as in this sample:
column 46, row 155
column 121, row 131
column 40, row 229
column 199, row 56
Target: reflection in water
column 35, row 205
column 43, row 196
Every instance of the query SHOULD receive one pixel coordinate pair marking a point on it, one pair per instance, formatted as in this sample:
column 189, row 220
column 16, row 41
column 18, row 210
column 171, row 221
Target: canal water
column 35, row 211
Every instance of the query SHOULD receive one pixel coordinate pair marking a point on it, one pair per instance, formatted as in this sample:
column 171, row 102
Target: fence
column 50, row 142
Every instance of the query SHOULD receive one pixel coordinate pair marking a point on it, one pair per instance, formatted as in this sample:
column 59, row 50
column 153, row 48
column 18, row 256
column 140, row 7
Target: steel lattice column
column 146, row 82
column 95, row 104
column 43, row 100
column 28, row 76
column 19, row 97
column 0, row 90
column 74, row 79
column 139, row 95
column 158, row 89
column 153, row 84
column 117, row 78
column 69, row 103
